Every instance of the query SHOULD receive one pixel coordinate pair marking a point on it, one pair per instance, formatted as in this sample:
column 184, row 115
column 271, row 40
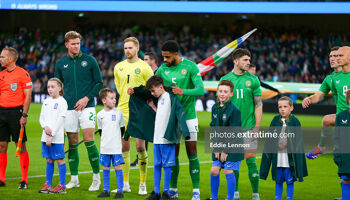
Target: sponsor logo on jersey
column 137, row 70
column 224, row 117
column 248, row 83
column 344, row 121
column 13, row 86
column 65, row 66
column 114, row 117
column 84, row 63
column 162, row 101
column 184, row 71
column 55, row 106
column 29, row 84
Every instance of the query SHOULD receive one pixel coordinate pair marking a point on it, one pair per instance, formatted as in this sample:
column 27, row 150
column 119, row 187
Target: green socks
column 73, row 159
column 253, row 174
column 237, row 176
column 194, row 170
column 175, row 173
column 93, row 156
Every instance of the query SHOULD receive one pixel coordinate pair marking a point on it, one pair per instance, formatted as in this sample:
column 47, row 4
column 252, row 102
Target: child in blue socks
column 111, row 125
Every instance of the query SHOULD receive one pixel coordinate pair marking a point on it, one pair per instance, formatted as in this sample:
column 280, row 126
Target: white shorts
column 76, row 119
column 192, row 125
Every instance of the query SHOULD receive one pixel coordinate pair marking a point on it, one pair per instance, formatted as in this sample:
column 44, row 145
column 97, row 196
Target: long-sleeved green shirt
column 81, row 76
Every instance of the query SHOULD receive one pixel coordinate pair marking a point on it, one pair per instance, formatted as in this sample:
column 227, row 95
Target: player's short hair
column 12, row 52
column 71, row 35
column 104, row 92
column 154, row 81
column 227, row 83
column 133, row 40
column 285, row 98
column 59, row 83
column 238, row 53
column 335, row 48
column 171, row 45
column 152, row 55
column 348, row 96
column 252, row 66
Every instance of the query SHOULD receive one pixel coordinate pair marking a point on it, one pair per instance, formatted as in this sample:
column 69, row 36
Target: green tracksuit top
column 297, row 161
column 227, row 115
column 341, row 139
column 81, row 76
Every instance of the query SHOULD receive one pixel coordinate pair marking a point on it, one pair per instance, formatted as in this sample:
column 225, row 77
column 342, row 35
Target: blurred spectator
column 290, row 56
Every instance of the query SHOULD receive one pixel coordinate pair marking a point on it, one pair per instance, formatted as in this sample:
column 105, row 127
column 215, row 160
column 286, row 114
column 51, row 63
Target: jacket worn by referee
column 81, row 77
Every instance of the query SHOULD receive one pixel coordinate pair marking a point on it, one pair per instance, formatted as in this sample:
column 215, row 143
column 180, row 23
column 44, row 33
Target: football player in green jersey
column 247, row 97
column 186, row 82
column 341, row 81
column 328, row 120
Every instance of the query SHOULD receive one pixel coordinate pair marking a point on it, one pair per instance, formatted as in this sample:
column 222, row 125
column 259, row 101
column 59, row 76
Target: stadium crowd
column 288, row 56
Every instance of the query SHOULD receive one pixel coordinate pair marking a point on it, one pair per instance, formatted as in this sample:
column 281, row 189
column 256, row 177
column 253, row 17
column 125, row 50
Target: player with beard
column 186, row 82
column 247, row 97
column 130, row 73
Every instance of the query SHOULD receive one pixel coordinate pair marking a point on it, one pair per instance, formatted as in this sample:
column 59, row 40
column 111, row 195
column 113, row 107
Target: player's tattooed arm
column 258, row 111
column 257, row 101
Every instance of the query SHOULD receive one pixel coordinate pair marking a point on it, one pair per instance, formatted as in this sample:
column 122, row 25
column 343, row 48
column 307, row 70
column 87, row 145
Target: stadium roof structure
column 259, row 7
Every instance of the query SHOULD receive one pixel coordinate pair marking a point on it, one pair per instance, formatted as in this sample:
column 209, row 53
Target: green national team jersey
column 246, row 86
column 341, row 83
column 326, row 85
column 186, row 76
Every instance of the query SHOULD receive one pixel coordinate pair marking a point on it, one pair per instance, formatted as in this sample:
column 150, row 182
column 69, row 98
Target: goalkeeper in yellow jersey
column 130, row 73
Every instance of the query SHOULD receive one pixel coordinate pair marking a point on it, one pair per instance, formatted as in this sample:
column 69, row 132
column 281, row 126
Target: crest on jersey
column 137, row 70
column 248, row 83
column 83, row 63
column 114, row 117
column 13, row 86
column 184, row 71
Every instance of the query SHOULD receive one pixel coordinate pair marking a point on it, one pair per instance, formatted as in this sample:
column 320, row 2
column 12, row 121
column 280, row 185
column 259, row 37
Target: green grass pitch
column 322, row 182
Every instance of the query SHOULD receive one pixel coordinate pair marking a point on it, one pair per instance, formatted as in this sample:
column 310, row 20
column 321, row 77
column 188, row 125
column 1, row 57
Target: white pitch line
column 89, row 172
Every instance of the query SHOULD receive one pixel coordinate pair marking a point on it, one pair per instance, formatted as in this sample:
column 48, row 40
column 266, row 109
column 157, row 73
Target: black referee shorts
column 9, row 124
